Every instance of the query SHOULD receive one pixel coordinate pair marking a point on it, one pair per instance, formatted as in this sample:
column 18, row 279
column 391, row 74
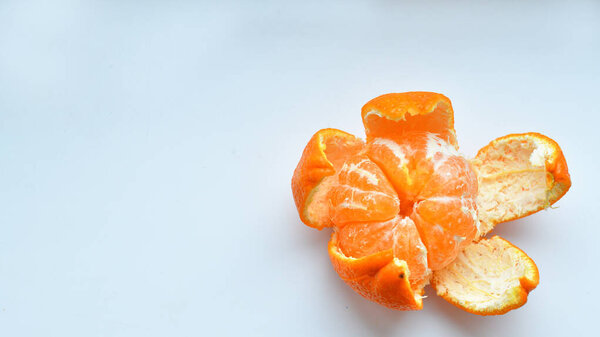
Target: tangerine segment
column 399, row 234
column 324, row 154
column 422, row 165
column 390, row 115
column 452, row 176
column 401, row 159
column 362, row 193
column 519, row 174
column 409, row 247
column 366, row 238
column 380, row 277
column 489, row 277
column 446, row 226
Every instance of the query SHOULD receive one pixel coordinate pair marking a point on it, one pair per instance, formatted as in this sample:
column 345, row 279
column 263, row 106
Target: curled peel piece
column 380, row 277
column 391, row 115
column 518, row 174
column 489, row 277
column 323, row 156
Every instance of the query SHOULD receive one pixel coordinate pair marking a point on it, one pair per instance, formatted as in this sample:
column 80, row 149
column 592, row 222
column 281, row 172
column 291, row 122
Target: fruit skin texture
column 382, row 277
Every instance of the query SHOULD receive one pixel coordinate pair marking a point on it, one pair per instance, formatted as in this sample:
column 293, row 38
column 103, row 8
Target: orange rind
column 379, row 277
column 518, row 175
column 408, row 210
column 390, row 115
column 489, row 277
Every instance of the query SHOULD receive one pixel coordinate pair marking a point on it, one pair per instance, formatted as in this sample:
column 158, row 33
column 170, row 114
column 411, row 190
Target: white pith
column 404, row 223
column 438, row 150
column 485, row 276
column 370, row 177
column 512, row 181
column 318, row 206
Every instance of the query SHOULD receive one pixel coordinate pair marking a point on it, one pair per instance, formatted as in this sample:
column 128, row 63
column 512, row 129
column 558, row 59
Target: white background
column 147, row 147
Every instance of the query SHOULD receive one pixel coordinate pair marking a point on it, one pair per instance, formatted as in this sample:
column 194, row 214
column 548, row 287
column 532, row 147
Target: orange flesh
column 362, row 193
column 337, row 150
column 436, row 190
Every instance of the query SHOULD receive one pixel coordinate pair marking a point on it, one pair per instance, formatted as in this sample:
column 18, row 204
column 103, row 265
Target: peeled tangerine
column 408, row 210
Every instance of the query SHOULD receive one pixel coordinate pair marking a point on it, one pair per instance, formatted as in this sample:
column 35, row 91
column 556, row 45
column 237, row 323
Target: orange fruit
column 406, row 208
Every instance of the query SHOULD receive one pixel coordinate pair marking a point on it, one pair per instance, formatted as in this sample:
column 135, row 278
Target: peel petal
column 518, row 175
column 489, row 277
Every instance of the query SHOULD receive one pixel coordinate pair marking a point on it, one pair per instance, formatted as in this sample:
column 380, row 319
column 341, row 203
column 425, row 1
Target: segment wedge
column 362, row 193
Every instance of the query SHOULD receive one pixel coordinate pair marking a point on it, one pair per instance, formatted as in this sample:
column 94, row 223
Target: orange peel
column 518, row 175
column 380, row 277
column 509, row 277
column 391, row 114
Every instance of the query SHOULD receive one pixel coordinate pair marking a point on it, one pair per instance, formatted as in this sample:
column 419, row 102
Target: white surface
column 147, row 147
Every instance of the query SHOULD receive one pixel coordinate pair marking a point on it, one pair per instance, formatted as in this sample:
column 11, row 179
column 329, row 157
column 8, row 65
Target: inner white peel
column 487, row 277
column 512, row 180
